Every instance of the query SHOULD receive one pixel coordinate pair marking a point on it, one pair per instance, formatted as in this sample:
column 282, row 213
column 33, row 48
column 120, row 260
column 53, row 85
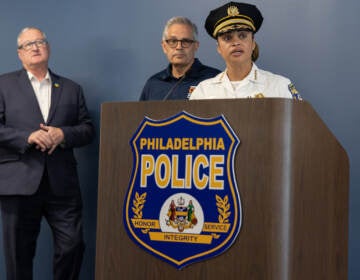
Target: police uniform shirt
column 257, row 84
column 163, row 86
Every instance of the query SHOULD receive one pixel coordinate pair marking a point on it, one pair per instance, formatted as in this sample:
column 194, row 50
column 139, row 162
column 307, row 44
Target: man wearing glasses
column 43, row 116
column 184, row 72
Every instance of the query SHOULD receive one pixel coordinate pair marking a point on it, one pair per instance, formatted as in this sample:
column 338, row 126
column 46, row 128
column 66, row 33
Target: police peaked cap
column 233, row 15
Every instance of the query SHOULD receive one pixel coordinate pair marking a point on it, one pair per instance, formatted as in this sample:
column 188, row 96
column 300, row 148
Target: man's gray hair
column 27, row 29
column 180, row 20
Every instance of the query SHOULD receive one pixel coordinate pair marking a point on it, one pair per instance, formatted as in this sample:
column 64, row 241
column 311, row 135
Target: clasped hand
column 47, row 138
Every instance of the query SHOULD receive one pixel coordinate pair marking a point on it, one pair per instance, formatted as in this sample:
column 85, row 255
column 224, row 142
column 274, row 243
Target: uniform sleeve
column 285, row 88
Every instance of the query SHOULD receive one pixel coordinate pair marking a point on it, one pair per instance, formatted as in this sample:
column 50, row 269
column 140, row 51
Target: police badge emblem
column 182, row 204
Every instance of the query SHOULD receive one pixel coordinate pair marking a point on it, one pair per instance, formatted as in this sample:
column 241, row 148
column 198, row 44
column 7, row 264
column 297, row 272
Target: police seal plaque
column 182, row 204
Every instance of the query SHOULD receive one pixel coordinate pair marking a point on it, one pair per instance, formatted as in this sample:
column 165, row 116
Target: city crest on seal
column 182, row 203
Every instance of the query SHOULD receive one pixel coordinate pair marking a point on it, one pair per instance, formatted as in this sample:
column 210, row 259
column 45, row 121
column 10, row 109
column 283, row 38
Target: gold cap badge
column 233, row 11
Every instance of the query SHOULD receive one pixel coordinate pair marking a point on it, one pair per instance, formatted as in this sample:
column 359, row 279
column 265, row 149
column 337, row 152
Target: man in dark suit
column 43, row 116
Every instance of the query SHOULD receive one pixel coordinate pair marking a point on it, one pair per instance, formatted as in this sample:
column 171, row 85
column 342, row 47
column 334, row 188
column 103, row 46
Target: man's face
column 34, row 51
column 182, row 53
column 236, row 47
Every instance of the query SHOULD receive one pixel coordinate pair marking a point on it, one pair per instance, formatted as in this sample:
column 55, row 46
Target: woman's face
column 236, row 47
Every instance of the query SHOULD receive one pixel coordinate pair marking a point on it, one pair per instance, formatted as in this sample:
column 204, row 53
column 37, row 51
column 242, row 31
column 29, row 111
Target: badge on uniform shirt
column 259, row 95
column 191, row 89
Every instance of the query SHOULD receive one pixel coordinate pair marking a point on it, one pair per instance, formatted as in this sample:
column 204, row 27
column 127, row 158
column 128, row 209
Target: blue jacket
column 163, row 85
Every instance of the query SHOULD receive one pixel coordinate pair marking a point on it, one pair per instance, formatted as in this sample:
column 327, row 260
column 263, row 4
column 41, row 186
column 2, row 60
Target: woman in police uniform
column 233, row 25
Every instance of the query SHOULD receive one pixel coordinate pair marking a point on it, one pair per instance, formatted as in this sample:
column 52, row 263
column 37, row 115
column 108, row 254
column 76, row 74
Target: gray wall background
column 111, row 47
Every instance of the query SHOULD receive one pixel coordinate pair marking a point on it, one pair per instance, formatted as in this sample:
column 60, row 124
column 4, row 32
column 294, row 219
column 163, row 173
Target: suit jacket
column 22, row 165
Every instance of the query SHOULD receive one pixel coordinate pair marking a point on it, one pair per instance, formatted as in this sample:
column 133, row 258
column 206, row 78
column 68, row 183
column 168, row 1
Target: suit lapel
column 56, row 89
column 28, row 93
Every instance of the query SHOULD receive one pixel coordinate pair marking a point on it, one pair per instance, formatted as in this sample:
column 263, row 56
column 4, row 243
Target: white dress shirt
column 42, row 91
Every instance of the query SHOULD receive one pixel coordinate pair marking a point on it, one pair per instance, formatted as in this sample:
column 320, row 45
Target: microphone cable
column 172, row 89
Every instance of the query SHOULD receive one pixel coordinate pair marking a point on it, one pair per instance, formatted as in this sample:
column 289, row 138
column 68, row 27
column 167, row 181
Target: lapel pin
column 56, row 85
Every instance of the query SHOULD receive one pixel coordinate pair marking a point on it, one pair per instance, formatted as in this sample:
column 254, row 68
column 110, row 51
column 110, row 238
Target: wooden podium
column 292, row 175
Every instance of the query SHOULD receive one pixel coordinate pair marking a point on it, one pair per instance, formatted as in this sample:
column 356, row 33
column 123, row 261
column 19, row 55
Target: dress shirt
column 42, row 91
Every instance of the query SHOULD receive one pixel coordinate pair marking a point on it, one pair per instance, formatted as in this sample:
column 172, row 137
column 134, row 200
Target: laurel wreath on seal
column 223, row 207
column 138, row 205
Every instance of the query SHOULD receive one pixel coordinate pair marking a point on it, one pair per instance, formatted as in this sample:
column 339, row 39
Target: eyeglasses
column 29, row 45
column 185, row 43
